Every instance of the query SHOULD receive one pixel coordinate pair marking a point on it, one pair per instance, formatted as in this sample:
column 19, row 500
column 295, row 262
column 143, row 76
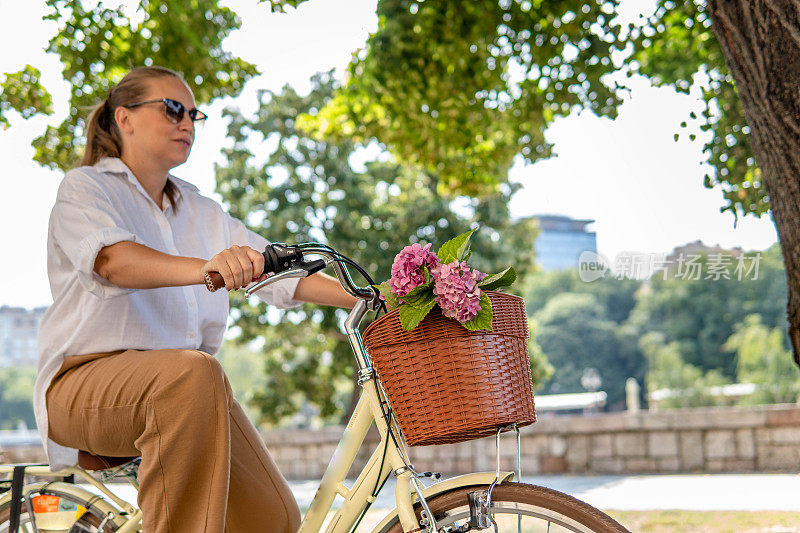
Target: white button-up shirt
column 103, row 204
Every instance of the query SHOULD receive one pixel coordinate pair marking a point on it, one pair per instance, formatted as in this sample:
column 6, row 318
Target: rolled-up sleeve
column 279, row 294
column 83, row 223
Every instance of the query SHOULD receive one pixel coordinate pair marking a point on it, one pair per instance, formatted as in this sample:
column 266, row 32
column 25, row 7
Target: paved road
column 718, row 492
column 688, row 492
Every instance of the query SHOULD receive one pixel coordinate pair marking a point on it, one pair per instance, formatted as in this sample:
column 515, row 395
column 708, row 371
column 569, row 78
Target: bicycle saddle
column 90, row 461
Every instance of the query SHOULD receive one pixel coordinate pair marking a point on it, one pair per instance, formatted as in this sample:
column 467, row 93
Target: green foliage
column 456, row 248
column 694, row 322
column 386, row 291
column 413, row 313
column 575, row 333
column 764, row 359
column 701, row 314
column 419, row 296
column 305, row 361
column 308, row 190
column 461, row 88
column 16, row 397
column 97, row 46
column 243, row 366
column 671, row 47
column 502, row 279
column 421, row 300
column 609, row 302
column 458, row 89
column 455, row 89
column 541, row 369
column 688, row 385
column 617, row 296
column 22, row 92
column 483, row 320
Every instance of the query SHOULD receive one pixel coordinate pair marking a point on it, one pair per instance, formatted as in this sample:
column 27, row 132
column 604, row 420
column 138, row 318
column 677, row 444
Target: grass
column 709, row 521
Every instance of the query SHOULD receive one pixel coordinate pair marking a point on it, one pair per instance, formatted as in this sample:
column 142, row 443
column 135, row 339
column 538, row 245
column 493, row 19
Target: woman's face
column 148, row 133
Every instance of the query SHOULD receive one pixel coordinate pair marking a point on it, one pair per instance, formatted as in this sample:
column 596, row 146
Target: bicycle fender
column 73, row 490
column 466, row 480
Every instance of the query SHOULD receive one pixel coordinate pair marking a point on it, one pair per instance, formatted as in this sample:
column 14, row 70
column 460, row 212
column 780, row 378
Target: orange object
column 447, row 384
column 45, row 503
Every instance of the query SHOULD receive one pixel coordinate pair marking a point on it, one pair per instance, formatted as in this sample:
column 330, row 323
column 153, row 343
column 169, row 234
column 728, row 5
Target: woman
column 124, row 365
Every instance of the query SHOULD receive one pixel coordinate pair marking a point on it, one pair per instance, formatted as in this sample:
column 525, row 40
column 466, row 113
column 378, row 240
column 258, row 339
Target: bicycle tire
column 87, row 523
column 539, row 507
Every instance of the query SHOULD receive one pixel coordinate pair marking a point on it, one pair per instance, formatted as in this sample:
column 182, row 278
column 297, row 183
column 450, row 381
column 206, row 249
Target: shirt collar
column 115, row 165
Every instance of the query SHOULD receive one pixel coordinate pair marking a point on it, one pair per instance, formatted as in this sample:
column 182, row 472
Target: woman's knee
column 198, row 375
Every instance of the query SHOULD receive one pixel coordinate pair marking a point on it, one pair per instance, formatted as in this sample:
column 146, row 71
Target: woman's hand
column 238, row 265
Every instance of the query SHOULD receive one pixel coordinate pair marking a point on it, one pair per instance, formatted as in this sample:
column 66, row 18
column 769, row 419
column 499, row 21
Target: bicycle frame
column 133, row 514
column 386, row 458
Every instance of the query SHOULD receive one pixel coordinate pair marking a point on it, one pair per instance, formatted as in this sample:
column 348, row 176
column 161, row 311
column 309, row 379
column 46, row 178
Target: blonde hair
column 103, row 138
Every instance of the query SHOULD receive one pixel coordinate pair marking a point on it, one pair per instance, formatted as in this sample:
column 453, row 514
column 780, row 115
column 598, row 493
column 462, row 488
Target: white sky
column 644, row 190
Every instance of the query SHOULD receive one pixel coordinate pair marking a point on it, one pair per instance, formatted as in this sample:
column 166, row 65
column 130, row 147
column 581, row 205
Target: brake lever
column 307, row 268
column 294, row 273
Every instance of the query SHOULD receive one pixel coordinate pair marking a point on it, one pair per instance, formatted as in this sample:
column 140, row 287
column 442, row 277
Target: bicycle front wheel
column 520, row 507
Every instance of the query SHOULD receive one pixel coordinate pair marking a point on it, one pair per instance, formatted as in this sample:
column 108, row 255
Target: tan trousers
column 204, row 466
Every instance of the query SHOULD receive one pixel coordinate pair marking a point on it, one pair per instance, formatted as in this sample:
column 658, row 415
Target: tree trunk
column 761, row 43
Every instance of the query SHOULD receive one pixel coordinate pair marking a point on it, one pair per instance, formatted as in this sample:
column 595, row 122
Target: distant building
column 19, row 335
column 561, row 240
column 680, row 255
column 697, row 247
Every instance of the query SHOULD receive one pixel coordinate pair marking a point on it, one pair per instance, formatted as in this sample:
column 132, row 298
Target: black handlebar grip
column 277, row 258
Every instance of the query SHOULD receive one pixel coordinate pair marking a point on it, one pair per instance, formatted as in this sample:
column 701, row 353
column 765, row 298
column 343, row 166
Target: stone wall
column 22, row 454
column 729, row 439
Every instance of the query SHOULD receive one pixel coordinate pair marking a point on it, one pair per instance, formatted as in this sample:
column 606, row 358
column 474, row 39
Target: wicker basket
column 448, row 384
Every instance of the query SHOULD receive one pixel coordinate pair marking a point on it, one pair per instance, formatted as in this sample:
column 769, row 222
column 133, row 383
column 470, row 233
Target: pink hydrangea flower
column 407, row 271
column 456, row 289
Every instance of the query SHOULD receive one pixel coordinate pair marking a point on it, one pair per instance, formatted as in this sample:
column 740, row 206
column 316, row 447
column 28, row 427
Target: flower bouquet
column 452, row 352
column 421, row 279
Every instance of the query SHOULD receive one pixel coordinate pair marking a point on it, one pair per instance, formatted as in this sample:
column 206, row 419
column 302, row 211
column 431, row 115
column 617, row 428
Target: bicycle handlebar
column 286, row 261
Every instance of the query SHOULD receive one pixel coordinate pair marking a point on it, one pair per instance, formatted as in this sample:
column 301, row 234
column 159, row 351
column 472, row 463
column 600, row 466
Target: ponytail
column 102, row 135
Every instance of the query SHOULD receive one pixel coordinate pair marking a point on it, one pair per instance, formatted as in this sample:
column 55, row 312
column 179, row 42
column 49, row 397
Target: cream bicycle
column 475, row 501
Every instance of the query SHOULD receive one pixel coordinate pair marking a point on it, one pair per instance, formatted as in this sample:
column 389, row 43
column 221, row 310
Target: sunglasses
column 174, row 110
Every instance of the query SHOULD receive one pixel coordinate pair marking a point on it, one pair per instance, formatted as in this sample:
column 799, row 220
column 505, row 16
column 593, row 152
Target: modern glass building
column 561, row 240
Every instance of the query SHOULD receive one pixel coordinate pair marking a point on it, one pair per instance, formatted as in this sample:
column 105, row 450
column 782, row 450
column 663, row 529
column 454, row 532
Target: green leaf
column 419, row 296
column 411, row 316
column 456, row 248
column 95, row 59
column 464, row 251
column 386, row 292
column 483, row 320
column 22, row 92
column 501, row 279
column 427, row 274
